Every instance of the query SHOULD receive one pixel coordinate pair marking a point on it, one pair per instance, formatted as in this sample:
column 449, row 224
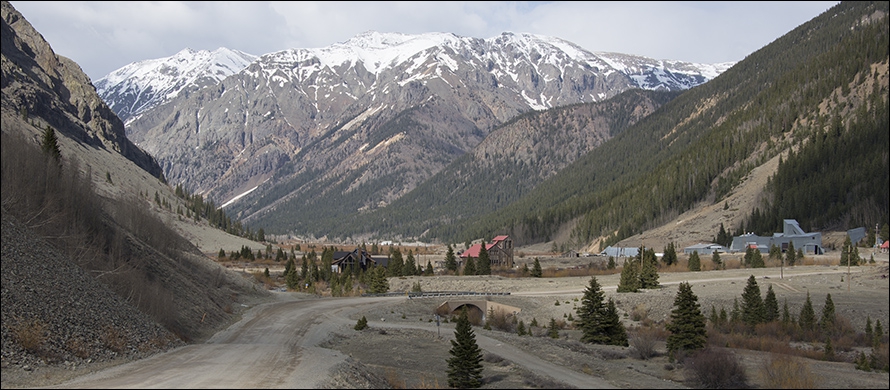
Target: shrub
column 644, row 340
column 30, row 334
column 716, row 368
column 787, row 372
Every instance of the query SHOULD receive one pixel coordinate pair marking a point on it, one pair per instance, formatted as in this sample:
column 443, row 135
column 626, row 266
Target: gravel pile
column 68, row 321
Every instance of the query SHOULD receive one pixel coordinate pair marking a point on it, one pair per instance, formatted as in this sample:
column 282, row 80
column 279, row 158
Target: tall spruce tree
column 465, row 364
column 807, row 317
column 670, row 255
column 687, row 326
column 770, row 305
column 790, row 255
column 450, row 260
column 537, row 272
column 630, row 280
column 599, row 322
column 50, row 144
column 470, row 267
column 483, row 263
column 649, row 269
column 718, row 262
column 694, row 262
column 752, row 304
column 828, row 316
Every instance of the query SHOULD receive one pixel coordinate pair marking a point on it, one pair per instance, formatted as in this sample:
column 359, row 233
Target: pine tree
column 649, row 270
column 410, row 268
column 869, row 331
column 807, row 318
column 599, row 322
column 611, row 263
column 536, row 269
column 520, row 328
column 757, row 259
column 450, row 260
column 222, row 254
column 524, row 271
column 630, row 281
column 553, row 329
column 465, row 364
column 429, row 269
column 614, row 327
column 50, row 144
column 752, row 304
column 470, row 267
column 379, row 282
column 790, row 255
column 396, row 263
column 694, row 262
column 362, row 323
column 770, row 305
column 483, row 263
column 715, row 259
column 670, row 255
column 687, row 324
column 828, row 316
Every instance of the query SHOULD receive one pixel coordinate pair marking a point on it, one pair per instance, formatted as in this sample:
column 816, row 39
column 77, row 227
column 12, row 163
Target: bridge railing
column 425, row 294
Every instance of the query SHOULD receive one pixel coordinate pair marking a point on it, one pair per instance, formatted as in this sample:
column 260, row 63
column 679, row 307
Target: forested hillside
column 511, row 161
column 701, row 144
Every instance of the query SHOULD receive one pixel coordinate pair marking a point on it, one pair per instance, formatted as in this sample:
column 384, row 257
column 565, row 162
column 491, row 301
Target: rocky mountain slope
column 144, row 85
column 373, row 117
column 93, row 269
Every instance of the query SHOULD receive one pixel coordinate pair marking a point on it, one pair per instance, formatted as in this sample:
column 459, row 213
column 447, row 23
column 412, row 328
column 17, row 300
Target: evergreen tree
column 614, row 328
column 379, row 282
column 869, row 331
column 790, row 255
column 599, row 322
column 735, row 316
column 828, row 316
column 450, row 260
column 410, row 268
column 465, row 364
column 786, row 315
column 630, row 281
column 396, row 263
column 770, row 305
column 50, row 144
column 611, row 263
column 470, row 267
column 670, row 255
column 694, row 262
column 756, row 260
column 649, row 270
column 752, row 304
column 483, row 263
column 553, row 329
column 879, row 334
column 524, row 271
column 362, row 323
column 807, row 317
column 520, row 328
column 723, row 237
column 687, row 326
column 429, row 269
column 536, row 269
column 716, row 260
column 222, row 254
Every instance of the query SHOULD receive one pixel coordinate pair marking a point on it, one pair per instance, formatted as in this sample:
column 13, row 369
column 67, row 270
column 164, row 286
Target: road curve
column 275, row 345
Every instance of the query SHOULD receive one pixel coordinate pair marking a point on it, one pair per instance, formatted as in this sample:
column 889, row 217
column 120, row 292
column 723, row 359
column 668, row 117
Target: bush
column 29, row 334
column 362, row 323
column 643, row 340
column 787, row 372
column 716, row 368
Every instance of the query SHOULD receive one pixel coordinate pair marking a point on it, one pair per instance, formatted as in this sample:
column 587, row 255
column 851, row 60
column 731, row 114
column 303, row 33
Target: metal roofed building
column 791, row 233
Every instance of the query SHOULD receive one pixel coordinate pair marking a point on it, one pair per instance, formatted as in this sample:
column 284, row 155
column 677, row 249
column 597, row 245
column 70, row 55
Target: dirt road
column 277, row 345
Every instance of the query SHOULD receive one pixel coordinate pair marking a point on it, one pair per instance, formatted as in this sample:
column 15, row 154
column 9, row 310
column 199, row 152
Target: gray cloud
column 104, row 36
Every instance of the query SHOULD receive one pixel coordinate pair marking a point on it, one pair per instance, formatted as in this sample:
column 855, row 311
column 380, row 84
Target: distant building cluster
column 810, row 243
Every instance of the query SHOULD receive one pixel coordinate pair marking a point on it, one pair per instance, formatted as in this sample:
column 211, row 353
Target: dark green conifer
column 450, row 260
column 599, row 322
column 687, row 324
column 807, row 318
column 537, row 272
column 470, row 267
column 770, row 305
column 694, row 262
column 828, row 316
column 483, row 264
column 465, row 364
column 752, row 304
column 630, row 280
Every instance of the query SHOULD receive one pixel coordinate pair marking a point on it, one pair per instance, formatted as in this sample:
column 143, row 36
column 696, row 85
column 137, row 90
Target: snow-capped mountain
column 358, row 124
column 143, row 85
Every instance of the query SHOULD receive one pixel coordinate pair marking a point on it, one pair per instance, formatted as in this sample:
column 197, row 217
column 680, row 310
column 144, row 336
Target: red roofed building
column 500, row 252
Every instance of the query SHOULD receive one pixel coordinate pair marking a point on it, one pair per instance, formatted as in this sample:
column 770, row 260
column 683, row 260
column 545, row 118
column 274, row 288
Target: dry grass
column 783, row 371
column 114, row 339
column 30, row 334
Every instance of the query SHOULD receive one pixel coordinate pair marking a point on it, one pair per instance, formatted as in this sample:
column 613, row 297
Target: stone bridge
column 476, row 308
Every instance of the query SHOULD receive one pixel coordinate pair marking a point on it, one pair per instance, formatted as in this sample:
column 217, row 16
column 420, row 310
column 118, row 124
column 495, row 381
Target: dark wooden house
column 358, row 258
column 500, row 252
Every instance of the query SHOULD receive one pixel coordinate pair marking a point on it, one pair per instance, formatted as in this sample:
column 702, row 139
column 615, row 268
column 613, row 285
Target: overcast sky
column 104, row 36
